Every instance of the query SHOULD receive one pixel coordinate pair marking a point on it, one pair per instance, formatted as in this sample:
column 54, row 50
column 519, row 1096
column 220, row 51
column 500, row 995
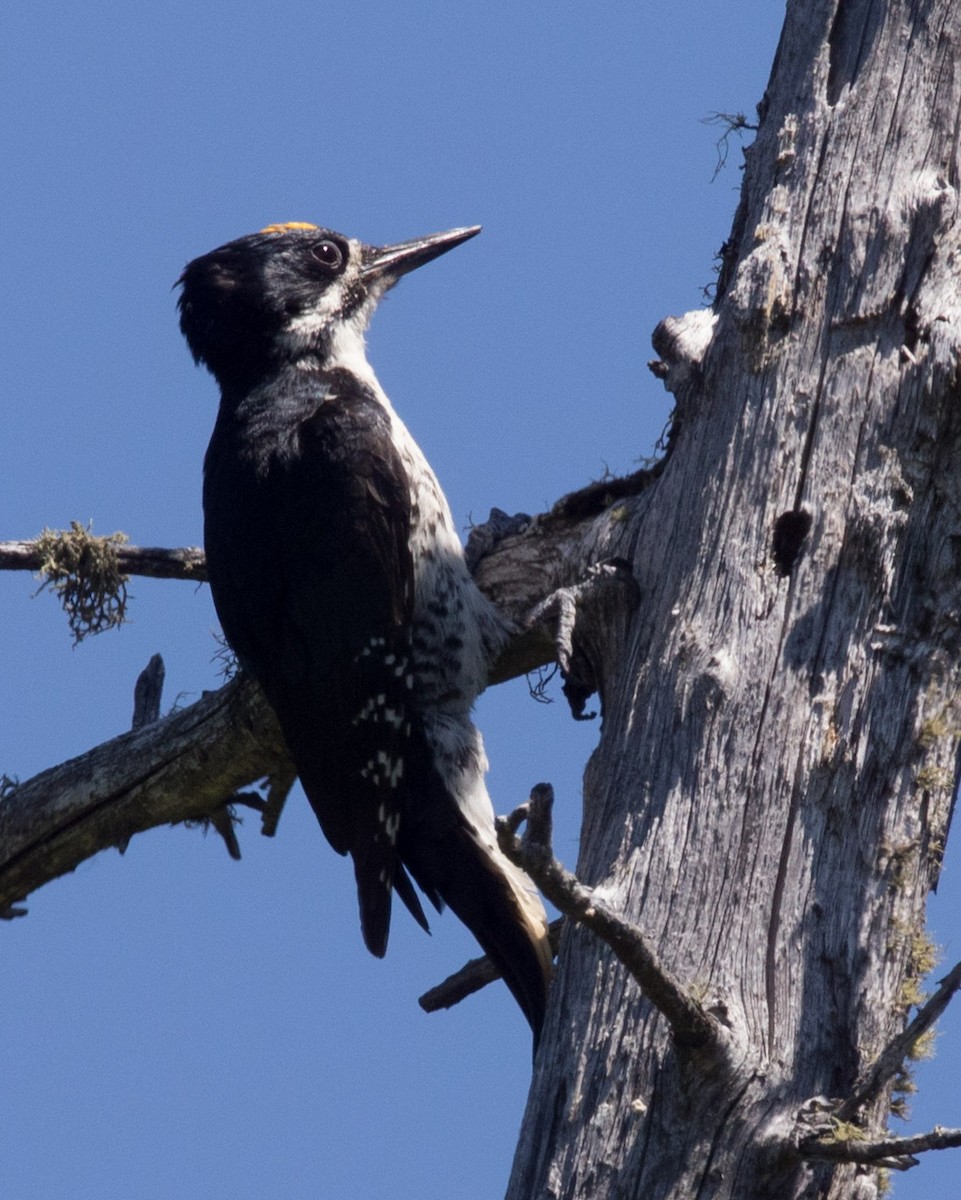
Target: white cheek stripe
column 344, row 339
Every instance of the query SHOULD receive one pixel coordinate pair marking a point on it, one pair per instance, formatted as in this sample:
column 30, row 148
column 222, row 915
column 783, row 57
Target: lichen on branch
column 84, row 573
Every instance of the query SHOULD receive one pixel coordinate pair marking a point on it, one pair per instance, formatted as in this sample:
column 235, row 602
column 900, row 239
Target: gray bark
column 182, row 768
column 772, row 790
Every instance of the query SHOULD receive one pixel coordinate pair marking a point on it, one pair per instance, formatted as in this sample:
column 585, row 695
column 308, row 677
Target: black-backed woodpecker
column 340, row 583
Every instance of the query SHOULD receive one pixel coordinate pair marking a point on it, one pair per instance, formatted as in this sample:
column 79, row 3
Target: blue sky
column 177, row 1024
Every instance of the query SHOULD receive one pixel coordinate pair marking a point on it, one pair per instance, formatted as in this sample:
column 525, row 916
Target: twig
column 731, row 123
column 152, row 562
column 278, row 789
column 895, row 1152
column 891, row 1058
column 691, row 1025
column 224, row 819
column 521, row 654
column 473, row 976
column 222, row 822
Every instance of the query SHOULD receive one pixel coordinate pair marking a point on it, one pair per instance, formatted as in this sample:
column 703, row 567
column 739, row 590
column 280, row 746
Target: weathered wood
column 771, row 794
column 693, row 1028
column 151, row 561
column 184, row 766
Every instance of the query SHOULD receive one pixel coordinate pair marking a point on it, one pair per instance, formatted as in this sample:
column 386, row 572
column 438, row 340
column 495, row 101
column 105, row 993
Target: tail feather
column 501, row 908
column 379, row 873
column 440, row 833
column 492, row 897
column 405, row 889
column 374, row 872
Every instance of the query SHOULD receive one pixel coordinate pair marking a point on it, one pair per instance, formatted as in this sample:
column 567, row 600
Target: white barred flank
column 383, row 769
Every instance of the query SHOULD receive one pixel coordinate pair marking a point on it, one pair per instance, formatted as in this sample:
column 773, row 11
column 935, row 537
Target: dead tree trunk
column 771, row 795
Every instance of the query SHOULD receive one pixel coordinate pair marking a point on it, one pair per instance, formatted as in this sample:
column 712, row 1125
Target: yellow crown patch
column 284, row 226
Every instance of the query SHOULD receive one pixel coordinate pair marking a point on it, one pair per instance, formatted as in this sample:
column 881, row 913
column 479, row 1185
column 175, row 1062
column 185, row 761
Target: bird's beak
column 391, row 262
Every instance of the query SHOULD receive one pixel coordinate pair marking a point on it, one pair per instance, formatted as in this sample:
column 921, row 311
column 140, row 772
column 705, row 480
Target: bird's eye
column 328, row 254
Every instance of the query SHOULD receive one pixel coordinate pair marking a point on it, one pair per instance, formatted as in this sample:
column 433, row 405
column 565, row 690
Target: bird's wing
column 307, row 543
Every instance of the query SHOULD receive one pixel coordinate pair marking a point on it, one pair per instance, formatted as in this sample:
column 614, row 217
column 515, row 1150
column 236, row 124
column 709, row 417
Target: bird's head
column 289, row 292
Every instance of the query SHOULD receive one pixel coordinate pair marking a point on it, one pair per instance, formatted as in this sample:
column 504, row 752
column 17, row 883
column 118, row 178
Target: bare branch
column 891, row 1059
column 894, row 1152
column 153, row 562
column 278, row 789
column 222, row 820
column 472, row 977
column 556, row 536
column 175, row 769
column 692, row 1026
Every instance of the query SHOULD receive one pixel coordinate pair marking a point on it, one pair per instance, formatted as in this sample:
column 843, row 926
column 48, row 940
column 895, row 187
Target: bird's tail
column 447, row 842
column 500, row 906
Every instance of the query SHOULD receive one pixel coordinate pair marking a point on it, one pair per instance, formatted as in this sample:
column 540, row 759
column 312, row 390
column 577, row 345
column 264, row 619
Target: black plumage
column 305, row 534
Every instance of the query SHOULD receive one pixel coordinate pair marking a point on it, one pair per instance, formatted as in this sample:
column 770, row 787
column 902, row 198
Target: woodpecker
column 340, row 583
